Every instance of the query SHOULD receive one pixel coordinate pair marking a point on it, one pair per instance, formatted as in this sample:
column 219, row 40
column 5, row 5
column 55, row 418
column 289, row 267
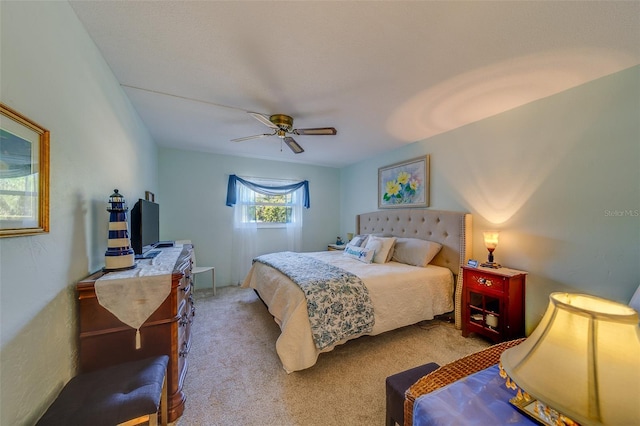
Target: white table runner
column 133, row 295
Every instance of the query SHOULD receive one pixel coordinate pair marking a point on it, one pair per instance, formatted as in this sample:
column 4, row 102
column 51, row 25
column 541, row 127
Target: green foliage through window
column 271, row 209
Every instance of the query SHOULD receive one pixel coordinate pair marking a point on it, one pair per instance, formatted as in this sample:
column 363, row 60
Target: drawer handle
column 193, row 305
column 185, row 320
column 184, row 352
column 485, row 281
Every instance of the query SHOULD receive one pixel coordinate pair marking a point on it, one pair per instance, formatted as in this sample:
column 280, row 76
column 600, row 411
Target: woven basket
column 451, row 372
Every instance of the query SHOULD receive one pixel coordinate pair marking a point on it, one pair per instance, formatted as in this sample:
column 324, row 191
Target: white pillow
column 359, row 253
column 413, row 251
column 382, row 247
column 359, row 240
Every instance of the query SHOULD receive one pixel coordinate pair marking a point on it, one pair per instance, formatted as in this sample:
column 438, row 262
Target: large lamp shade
column 582, row 360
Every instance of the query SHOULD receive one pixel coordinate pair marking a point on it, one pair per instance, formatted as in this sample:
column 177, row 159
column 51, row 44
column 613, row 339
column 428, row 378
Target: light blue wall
column 53, row 73
column 193, row 195
column 551, row 175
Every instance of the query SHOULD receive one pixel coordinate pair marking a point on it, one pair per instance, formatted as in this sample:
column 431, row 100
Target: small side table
column 331, row 247
column 199, row 269
column 493, row 302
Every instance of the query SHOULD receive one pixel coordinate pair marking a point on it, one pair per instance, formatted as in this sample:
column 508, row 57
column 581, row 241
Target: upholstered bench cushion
column 397, row 386
column 110, row 396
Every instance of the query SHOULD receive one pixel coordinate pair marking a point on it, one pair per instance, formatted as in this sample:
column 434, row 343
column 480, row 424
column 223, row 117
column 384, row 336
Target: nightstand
column 331, row 247
column 493, row 302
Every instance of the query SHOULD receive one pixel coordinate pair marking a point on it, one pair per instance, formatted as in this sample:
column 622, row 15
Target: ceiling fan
column 282, row 126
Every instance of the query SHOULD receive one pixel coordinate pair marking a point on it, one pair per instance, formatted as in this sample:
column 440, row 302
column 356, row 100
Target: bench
column 125, row 394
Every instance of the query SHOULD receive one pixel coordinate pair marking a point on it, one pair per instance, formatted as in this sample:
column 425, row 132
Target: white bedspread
column 401, row 294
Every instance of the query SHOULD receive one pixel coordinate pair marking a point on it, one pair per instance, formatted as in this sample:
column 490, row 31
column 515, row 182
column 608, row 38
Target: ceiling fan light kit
column 282, row 121
column 282, row 125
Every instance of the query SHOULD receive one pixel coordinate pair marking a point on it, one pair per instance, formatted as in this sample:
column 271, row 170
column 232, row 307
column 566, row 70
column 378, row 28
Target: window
column 269, row 209
column 265, row 203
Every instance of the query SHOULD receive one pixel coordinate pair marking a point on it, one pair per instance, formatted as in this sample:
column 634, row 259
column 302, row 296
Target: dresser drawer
column 476, row 280
column 95, row 318
column 184, row 289
column 184, row 323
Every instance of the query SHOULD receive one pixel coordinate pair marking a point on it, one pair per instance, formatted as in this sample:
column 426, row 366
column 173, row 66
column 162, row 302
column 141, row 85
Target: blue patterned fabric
column 479, row 399
column 338, row 302
column 362, row 254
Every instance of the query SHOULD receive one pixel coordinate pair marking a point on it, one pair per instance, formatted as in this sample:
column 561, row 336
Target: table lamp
column 491, row 242
column 581, row 364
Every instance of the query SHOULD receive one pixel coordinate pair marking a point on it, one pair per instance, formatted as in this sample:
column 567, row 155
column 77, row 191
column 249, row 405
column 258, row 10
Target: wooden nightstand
column 493, row 302
column 336, row 247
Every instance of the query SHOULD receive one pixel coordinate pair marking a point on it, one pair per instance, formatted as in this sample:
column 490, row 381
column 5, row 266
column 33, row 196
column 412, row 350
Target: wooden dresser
column 105, row 340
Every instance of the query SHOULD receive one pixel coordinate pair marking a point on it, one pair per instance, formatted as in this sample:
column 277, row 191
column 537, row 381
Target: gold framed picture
column 404, row 184
column 24, row 175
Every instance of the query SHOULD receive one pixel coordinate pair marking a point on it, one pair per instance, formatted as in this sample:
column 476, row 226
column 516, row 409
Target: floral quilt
column 338, row 302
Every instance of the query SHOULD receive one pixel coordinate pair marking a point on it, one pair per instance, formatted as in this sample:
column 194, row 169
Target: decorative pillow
column 385, row 235
column 382, row 247
column 359, row 240
column 413, row 251
column 359, row 253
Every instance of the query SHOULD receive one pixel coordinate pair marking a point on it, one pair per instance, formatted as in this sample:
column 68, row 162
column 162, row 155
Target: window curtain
column 294, row 227
column 244, row 235
column 241, row 195
column 266, row 189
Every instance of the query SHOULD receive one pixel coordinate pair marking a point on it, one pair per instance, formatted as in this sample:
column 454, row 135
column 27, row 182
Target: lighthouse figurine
column 119, row 254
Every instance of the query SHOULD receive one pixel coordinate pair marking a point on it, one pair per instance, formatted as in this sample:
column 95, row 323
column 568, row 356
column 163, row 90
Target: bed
column 399, row 293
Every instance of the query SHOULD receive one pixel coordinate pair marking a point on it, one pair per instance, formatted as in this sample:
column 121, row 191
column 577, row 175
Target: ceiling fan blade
column 291, row 143
column 246, row 138
column 264, row 120
column 316, row 131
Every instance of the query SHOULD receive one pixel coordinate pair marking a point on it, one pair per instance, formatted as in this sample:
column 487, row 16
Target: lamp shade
column 583, row 360
column 491, row 239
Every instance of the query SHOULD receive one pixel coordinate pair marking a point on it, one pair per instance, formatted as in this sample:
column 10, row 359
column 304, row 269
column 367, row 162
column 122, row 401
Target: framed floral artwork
column 24, row 175
column 404, row 184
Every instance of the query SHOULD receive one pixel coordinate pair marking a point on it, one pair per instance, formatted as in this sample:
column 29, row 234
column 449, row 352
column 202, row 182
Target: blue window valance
column 266, row 189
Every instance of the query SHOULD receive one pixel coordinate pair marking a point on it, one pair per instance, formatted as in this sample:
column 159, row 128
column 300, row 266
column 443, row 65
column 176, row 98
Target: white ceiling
column 383, row 73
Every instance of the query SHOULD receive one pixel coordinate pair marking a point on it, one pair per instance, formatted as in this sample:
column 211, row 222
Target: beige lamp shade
column 582, row 360
column 491, row 239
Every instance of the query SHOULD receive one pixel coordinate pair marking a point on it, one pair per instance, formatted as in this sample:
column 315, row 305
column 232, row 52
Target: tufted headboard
column 451, row 229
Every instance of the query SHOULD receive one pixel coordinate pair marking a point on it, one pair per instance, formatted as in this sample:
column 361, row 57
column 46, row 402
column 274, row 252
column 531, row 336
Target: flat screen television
column 145, row 226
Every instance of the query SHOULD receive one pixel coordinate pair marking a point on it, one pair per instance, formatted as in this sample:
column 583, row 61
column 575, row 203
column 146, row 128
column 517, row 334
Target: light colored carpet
column 235, row 376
